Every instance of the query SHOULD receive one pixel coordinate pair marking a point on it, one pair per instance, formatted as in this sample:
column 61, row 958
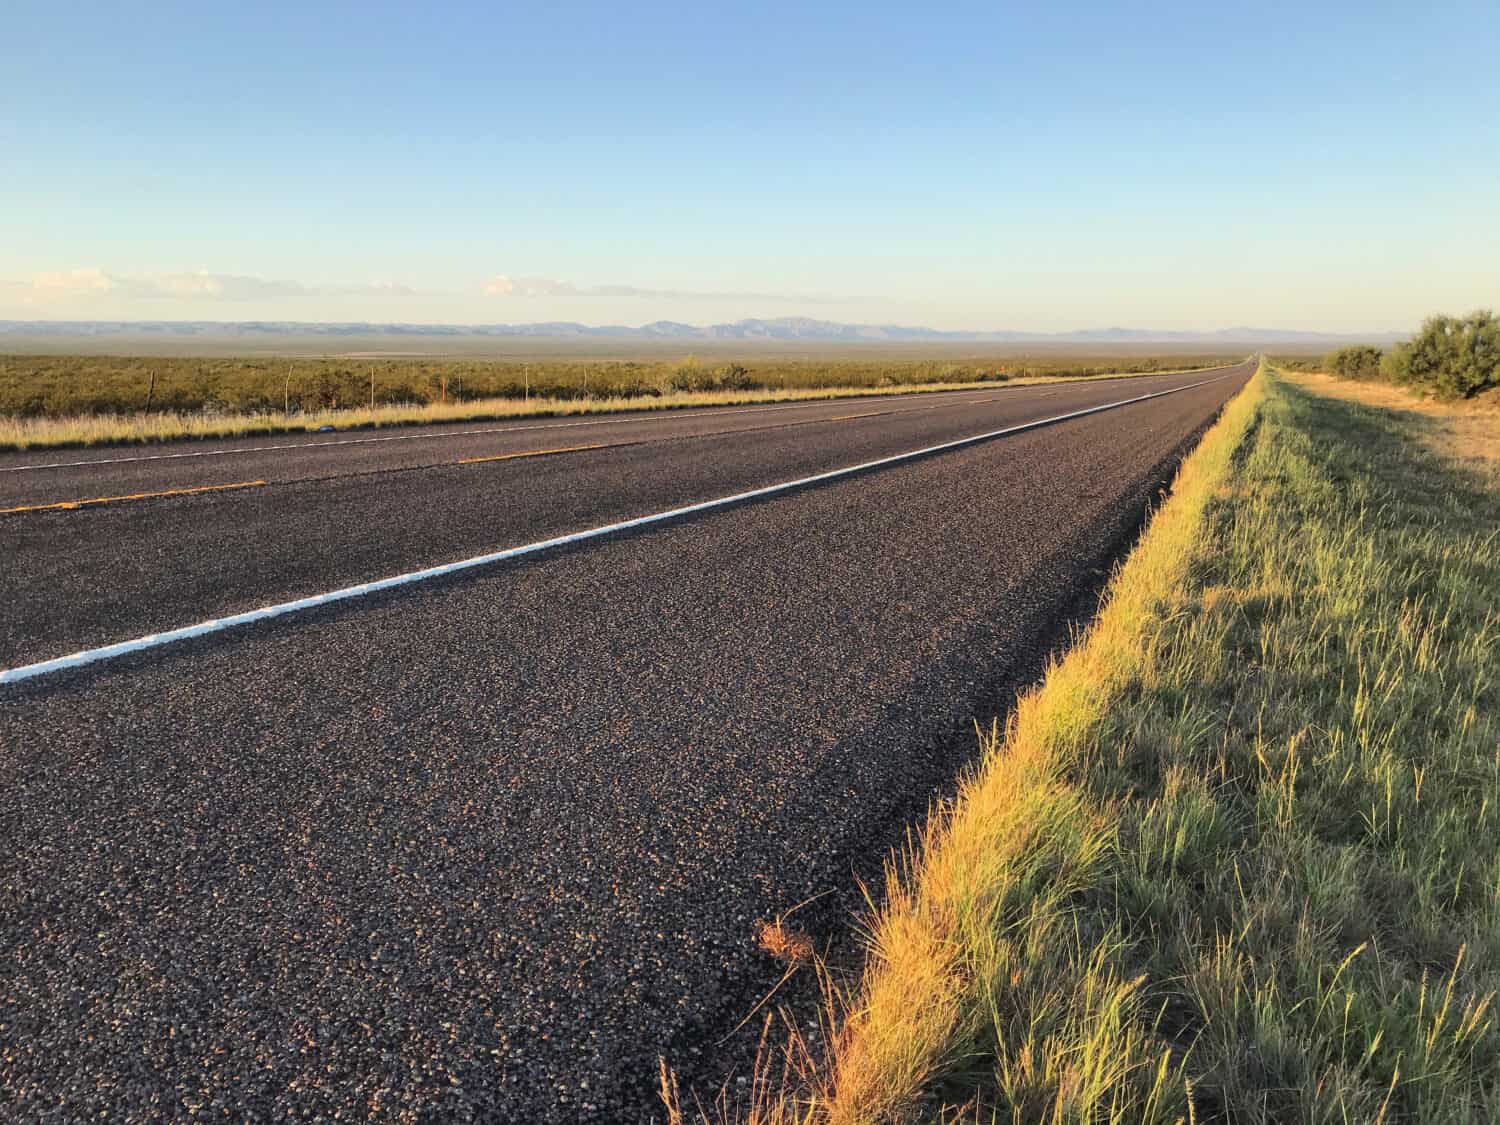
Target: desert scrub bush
column 1361, row 361
column 1298, row 362
column 1453, row 357
column 691, row 374
column 42, row 386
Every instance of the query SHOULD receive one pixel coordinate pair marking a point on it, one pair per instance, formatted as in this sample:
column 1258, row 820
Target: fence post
column 372, row 386
column 286, row 392
column 151, row 391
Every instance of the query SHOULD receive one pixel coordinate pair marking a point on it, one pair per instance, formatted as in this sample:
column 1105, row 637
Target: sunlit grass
column 115, row 429
column 1464, row 430
column 1238, row 858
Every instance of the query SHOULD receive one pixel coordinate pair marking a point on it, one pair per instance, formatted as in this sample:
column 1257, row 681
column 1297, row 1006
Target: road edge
column 908, row 1024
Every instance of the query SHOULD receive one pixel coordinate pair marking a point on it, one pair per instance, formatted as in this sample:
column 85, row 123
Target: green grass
column 1238, row 858
column 49, row 401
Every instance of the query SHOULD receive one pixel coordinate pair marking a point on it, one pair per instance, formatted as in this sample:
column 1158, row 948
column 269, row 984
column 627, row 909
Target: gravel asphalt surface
column 485, row 848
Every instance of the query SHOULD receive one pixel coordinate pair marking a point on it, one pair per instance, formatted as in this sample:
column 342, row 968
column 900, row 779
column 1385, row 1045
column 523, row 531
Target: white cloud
column 502, row 286
column 88, row 284
column 68, row 283
column 220, row 287
column 372, row 289
column 91, row 281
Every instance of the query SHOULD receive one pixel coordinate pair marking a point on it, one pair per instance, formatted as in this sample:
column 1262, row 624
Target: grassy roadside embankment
column 1238, row 858
column 1466, row 432
column 19, row 431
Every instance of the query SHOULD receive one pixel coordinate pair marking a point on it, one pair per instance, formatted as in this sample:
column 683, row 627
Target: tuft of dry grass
column 781, row 941
column 1235, row 859
column 785, row 1065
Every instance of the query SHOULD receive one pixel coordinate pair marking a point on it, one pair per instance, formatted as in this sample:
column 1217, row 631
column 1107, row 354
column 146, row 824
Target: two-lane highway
column 49, row 476
column 228, row 527
column 483, row 847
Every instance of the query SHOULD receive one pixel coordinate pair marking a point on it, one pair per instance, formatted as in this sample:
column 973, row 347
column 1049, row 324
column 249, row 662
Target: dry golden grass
column 784, row 943
column 1466, row 431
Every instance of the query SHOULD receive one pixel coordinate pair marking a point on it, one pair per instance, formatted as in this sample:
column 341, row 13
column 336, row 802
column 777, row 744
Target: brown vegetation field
column 48, row 400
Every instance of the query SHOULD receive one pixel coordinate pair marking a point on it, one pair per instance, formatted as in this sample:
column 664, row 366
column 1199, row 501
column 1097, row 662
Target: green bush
column 1299, row 362
column 1359, row 362
column 1453, row 357
column 1396, row 365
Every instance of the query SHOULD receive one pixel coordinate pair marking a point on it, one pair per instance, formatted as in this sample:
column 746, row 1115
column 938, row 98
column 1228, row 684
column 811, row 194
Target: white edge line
column 219, row 624
column 659, row 415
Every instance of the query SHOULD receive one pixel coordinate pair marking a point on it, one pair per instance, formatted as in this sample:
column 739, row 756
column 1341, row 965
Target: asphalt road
column 48, row 475
column 335, row 511
column 485, row 847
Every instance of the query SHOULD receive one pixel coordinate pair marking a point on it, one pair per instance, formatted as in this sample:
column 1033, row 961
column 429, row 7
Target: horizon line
column 530, row 327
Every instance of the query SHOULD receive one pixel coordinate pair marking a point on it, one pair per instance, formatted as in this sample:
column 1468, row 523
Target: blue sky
column 1174, row 165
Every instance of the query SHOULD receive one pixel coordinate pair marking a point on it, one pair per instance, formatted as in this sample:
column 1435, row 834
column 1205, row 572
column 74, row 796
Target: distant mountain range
column 790, row 328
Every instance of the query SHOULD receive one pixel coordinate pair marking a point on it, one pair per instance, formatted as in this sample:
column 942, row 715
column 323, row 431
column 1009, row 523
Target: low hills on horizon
column 789, row 329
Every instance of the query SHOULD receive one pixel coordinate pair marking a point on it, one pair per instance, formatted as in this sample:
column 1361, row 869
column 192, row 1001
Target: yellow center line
column 542, row 452
column 619, row 444
column 69, row 505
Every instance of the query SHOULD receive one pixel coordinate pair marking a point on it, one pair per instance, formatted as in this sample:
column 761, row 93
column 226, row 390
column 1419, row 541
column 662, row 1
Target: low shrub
column 42, row 386
column 1453, row 357
column 1359, row 362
